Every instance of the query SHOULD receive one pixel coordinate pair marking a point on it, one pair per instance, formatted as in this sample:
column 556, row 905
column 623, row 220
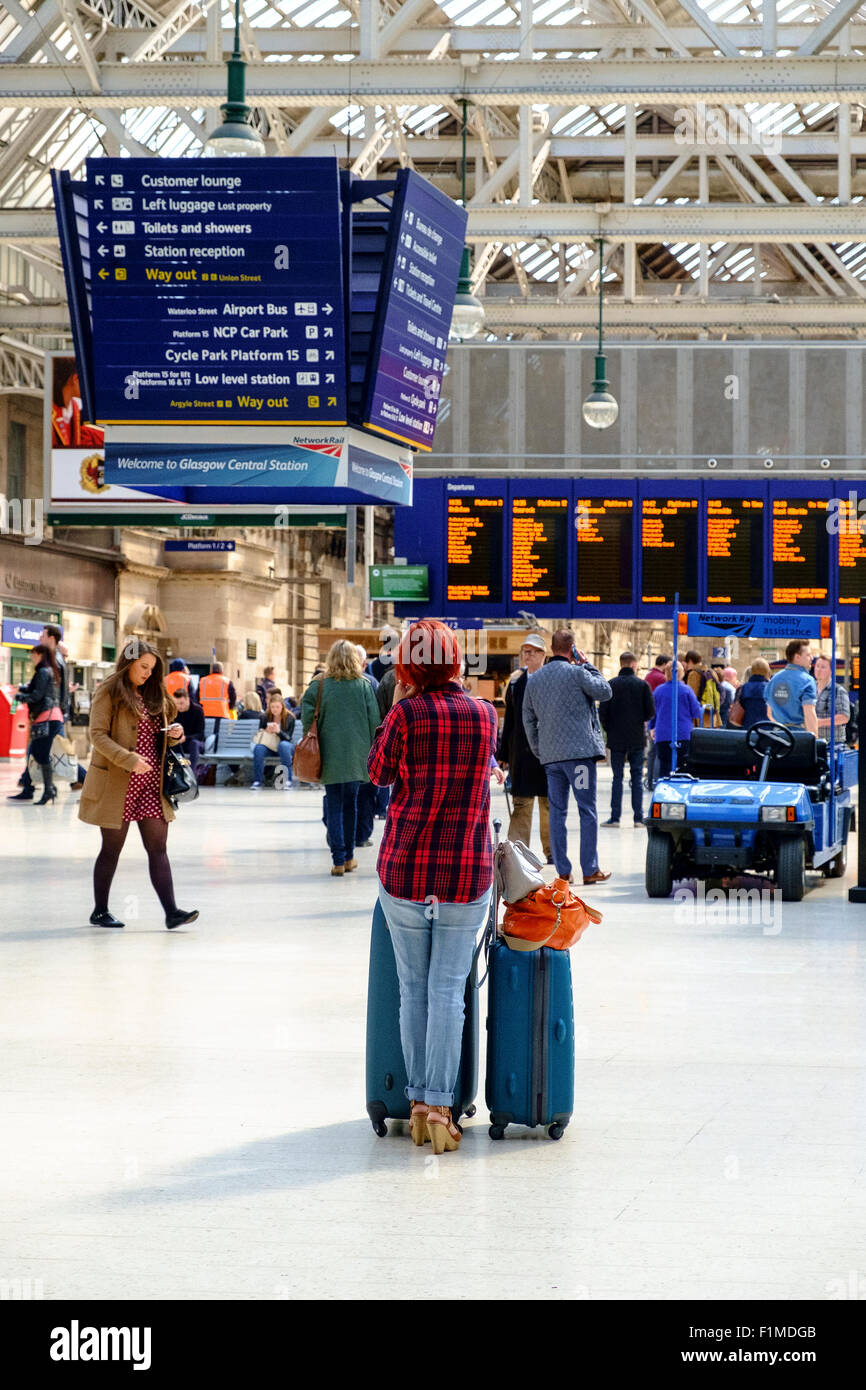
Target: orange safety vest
column 213, row 693
column 176, row 680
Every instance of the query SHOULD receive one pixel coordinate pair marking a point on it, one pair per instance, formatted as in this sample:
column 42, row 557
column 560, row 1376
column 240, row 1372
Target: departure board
column 735, row 551
column 801, row 551
column 539, row 550
column 475, row 549
column 604, row 550
column 669, row 549
column 852, row 554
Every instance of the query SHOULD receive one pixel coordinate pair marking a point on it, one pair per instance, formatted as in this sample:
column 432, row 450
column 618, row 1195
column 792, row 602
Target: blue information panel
column 419, row 281
column 217, row 290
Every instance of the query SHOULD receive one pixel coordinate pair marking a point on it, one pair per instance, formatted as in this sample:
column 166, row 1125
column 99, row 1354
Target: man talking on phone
column 562, row 726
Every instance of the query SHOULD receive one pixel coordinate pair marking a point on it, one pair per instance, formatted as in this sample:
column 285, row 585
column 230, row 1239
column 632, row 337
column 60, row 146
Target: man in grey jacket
column 561, row 723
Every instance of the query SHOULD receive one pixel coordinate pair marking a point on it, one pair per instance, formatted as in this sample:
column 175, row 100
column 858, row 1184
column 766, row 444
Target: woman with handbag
column 131, row 730
column 42, row 697
column 339, row 710
column 435, row 862
column 274, row 735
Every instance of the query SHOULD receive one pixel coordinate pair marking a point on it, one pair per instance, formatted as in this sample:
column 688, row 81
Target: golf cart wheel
column 659, row 865
column 791, row 869
column 836, row 868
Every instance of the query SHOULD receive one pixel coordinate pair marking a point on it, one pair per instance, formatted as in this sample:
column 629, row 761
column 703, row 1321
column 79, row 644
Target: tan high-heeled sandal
column 444, row 1133
column 418, row 1122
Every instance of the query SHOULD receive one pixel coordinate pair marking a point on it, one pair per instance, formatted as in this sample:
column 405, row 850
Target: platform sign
column 475, row 543
column 410, row 338
column 217, row 290
column 669, row 549
column 604, row 532
column 539, row 549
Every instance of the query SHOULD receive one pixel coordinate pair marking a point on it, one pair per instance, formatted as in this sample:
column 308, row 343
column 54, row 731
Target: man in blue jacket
column 562, row 727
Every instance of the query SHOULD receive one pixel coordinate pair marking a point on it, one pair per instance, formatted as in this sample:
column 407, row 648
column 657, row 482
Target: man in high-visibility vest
column 178, row 678
column 216, row 694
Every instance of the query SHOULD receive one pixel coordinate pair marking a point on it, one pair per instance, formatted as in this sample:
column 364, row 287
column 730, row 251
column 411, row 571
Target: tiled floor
column 183, row 1114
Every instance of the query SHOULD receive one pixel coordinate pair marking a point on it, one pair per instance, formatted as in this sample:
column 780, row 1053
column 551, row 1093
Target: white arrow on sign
column 103, row 250
column 327, row 309
column 97, row 203
column 99, row 178
column 102, row 226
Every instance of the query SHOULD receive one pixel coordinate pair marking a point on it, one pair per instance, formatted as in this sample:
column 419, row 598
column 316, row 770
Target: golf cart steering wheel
column 769, row 740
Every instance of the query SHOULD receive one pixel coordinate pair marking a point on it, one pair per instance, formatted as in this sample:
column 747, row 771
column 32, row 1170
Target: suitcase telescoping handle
column 488, row 936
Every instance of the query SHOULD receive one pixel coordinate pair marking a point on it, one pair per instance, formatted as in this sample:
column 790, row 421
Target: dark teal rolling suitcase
column 530, row 1039
column 386, row 1071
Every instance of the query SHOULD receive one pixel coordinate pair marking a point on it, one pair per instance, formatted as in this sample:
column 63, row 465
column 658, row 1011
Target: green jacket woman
column 347, row 723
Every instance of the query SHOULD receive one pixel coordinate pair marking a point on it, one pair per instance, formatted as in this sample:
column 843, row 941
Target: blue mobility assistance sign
column 217, row 290
column 776, row 625
column 410, row 337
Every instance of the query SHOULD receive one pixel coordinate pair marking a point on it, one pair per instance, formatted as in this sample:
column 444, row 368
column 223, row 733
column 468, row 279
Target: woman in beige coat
column 130, row 732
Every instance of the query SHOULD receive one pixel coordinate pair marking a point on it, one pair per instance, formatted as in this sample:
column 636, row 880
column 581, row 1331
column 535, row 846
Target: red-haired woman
column 435, row 749
column 130, row 728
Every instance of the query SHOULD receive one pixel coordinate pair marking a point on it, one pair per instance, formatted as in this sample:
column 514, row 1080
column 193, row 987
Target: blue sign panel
column 21, row 632
column 781, row 626
column 217, row 290
column 221, row 466
column 199, row 545
column 416, row 299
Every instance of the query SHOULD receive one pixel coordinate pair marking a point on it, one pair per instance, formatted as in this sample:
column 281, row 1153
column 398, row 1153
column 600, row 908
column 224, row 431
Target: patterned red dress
column 143, row 796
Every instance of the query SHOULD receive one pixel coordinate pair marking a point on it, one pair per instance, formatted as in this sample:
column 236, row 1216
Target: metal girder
column 570, row 222
column 22, row 367
column 667, row 314
column 177, row 22
column 829, row 27
column 79, row 38
column 406, row 82
column 494, row 38
column 688, row 222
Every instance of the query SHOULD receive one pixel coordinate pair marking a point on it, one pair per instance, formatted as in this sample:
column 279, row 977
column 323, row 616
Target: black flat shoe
column 180, row 918
column 104, row 919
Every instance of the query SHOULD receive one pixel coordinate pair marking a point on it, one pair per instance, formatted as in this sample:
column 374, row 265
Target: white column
column 629, row 195
column 703, row 199
column 525, row 119
column 843, row 130
column 369, row 52
column 768, row 36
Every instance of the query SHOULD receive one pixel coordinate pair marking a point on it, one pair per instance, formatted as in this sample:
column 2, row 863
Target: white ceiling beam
column 716, row 36
column 645, row 312
column 82, row 45
column 649, row 82
column 582, row 222
column 36, row 26
column 179, row 20
column 828, row 28
column 112, row 122
column 489, row 38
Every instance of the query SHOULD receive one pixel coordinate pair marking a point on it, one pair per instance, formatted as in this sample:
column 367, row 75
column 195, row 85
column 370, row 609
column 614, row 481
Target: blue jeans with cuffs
column 433, row 946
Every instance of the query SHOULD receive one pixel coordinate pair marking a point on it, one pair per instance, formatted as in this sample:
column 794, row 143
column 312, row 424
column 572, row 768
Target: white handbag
column 518, row 870
column 63, row 760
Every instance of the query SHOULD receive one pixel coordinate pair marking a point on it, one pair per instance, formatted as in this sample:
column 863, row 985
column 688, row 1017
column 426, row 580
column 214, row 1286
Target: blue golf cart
column 767, row 800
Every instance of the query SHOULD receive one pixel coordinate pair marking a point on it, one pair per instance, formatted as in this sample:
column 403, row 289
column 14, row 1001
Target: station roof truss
column 717, row 146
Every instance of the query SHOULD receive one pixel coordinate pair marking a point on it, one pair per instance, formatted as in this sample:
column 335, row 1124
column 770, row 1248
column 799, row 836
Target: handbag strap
column 315, row 721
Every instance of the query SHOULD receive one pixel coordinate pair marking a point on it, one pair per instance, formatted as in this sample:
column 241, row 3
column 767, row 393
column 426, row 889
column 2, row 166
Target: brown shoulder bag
column 307, row 762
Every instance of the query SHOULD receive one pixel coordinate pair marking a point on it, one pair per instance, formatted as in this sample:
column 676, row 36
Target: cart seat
column 720, row 753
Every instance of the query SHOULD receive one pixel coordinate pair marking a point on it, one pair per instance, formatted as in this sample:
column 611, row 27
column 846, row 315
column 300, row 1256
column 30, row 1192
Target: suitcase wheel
column 469, row 1112
column 380, row 1128
column 555, row 1132
column 496, row 1131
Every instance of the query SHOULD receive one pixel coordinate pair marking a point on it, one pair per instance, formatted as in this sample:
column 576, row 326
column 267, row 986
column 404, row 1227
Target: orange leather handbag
column 551, row 916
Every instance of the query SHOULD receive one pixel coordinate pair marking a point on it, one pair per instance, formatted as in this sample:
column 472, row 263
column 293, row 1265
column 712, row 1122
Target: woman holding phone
column 131, row 726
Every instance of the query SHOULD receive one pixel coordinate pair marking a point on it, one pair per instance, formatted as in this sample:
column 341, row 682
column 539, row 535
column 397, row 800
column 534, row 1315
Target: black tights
column 154, row 835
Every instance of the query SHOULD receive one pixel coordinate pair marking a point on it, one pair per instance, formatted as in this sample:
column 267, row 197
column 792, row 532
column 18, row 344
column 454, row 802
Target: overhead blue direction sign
column 416, row 300
column 217, row 291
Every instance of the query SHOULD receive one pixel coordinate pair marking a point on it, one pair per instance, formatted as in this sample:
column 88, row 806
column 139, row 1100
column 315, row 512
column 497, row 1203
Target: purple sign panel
column 419, row 282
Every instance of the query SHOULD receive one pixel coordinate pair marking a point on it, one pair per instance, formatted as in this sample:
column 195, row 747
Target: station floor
column 183, row 1113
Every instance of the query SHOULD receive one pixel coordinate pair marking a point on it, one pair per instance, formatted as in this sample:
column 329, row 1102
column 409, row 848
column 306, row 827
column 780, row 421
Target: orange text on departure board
column 469, row 544
column 791, row 518
column 533, row 542
column 599, row 522
column 656, row 510
column 852, row 555
column 723, row 531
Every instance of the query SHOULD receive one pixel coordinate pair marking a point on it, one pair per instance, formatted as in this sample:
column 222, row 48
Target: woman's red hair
column 429, row 656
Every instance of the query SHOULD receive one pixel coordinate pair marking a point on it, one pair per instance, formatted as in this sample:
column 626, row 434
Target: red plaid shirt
column 435, row 750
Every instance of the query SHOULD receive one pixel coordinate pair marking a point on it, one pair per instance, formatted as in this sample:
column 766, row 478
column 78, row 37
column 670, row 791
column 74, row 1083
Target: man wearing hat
column 528, row 778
